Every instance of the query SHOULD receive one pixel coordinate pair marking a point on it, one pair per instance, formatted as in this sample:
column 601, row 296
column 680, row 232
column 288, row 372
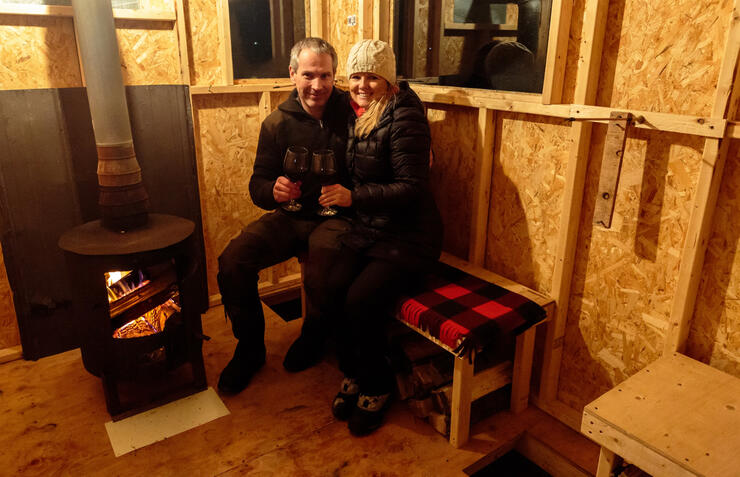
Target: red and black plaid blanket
column 465, row 312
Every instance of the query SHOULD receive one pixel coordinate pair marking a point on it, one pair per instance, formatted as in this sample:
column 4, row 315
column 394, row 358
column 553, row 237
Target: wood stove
column 139, row 369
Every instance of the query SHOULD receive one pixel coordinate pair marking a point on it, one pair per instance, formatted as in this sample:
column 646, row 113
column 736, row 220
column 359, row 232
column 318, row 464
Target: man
column 315, row 117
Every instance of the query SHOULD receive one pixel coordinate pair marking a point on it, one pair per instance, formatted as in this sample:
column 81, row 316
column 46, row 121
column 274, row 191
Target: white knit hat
column 372, row 56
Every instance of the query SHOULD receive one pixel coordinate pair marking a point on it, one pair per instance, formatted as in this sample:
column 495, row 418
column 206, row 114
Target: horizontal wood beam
column 66, row 11
column 239, row 88
column 678, row 123
column 524, row 103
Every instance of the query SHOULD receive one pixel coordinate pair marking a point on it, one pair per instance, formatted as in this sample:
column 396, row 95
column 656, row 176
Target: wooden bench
column 468, row 386
column 676, row 417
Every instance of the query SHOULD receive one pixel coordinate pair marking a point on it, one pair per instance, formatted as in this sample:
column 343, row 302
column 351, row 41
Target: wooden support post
column 319, row 17
column 482, row 186
column 557, row 51
column 182, row 42
column 611, row 166
column 522, row 373
column 365, row 19
column 224, row 37
column 461, row 398
column 382, row 21
column 705, row 198
column 265, row 108
column 608, row 460
column 586, row 85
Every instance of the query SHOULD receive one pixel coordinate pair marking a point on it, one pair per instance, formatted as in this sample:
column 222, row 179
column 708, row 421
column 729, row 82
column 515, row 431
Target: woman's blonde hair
column 367, row 122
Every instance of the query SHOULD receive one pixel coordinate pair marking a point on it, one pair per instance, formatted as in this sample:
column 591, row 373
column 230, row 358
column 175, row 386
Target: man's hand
column 335, row 194
column 285, row 190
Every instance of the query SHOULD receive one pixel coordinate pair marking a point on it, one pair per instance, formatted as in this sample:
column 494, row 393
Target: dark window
column 491, row 44
column 262, row 33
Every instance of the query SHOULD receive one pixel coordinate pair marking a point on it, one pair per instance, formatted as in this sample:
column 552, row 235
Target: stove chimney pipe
column 123, row 200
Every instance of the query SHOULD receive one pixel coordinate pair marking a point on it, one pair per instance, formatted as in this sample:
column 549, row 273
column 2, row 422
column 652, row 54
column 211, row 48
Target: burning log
column 153, row 321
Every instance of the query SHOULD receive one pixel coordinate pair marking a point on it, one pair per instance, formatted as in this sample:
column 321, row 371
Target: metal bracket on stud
column 611, row 166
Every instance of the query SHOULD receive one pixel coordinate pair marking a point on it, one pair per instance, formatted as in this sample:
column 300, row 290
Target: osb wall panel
column 714, row 336
column 625, row 277
column 342, row 36
column 149, row 52
column 530, row 157
column 454, row 132
column 227, row 129
column 205, row 65
column 37, row 52
column 8, row 322
column 663, row 56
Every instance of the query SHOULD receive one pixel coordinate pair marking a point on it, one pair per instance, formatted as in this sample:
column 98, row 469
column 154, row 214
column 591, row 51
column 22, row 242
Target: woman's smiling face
column 366, row 87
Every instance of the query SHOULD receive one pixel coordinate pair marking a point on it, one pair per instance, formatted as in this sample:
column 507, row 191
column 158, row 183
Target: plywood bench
column 676, row 417
column 468, row 386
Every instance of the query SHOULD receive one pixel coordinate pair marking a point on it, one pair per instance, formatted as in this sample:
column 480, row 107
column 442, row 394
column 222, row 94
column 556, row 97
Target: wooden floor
column 53, row 413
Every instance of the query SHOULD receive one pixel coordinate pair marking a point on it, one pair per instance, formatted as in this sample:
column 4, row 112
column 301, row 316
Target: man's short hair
column 318, row 46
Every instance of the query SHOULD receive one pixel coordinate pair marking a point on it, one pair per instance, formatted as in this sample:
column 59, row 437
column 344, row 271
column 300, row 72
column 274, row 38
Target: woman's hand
column 335, row 194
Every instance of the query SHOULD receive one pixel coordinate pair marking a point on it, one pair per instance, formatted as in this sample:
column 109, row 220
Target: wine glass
column 325, row 167
column 295, row 167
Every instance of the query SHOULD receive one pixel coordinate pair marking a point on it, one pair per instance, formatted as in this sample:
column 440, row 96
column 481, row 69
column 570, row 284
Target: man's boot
column 249, row 355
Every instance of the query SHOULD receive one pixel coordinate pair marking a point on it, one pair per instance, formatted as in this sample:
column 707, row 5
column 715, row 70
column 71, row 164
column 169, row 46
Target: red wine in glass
column 295, row 167
column 324, row 166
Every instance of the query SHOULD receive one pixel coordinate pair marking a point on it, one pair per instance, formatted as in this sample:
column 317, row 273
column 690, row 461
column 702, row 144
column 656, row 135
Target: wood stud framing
column 586, row 85
column 705, row 198
column 224, row 34
column 482, row 186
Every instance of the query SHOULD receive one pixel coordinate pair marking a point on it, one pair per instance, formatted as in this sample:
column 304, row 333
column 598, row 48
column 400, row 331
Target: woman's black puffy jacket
column 395, row 214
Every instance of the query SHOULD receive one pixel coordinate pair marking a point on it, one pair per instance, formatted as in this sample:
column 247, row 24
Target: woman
column 395, row 229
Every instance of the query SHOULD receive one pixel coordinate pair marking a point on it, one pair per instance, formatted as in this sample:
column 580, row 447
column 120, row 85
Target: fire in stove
column 141, row 301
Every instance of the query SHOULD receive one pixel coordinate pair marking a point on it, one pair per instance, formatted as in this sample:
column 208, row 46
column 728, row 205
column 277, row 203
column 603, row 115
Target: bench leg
column 522, row 373
column 462, row 390
column 608, row 460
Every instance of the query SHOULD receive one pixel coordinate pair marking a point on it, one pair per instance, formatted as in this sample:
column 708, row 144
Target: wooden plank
column 520, row 103
column 10, row 354
column 522, row 374
column 491, row 379
column 560, row 411
column 240, row 88
column 224, row 38
column 381, row 21
column 548, row 458
column 319, row 26
column 607, row 462
column 66, row 11
column 482, row 187
column 705, row 198
column 611, row 166
column 678, row 123
column 462, row 380
column 585, row 93
column 663, row 420
column 557, row 51
column 365, row 19
column 182, row 40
